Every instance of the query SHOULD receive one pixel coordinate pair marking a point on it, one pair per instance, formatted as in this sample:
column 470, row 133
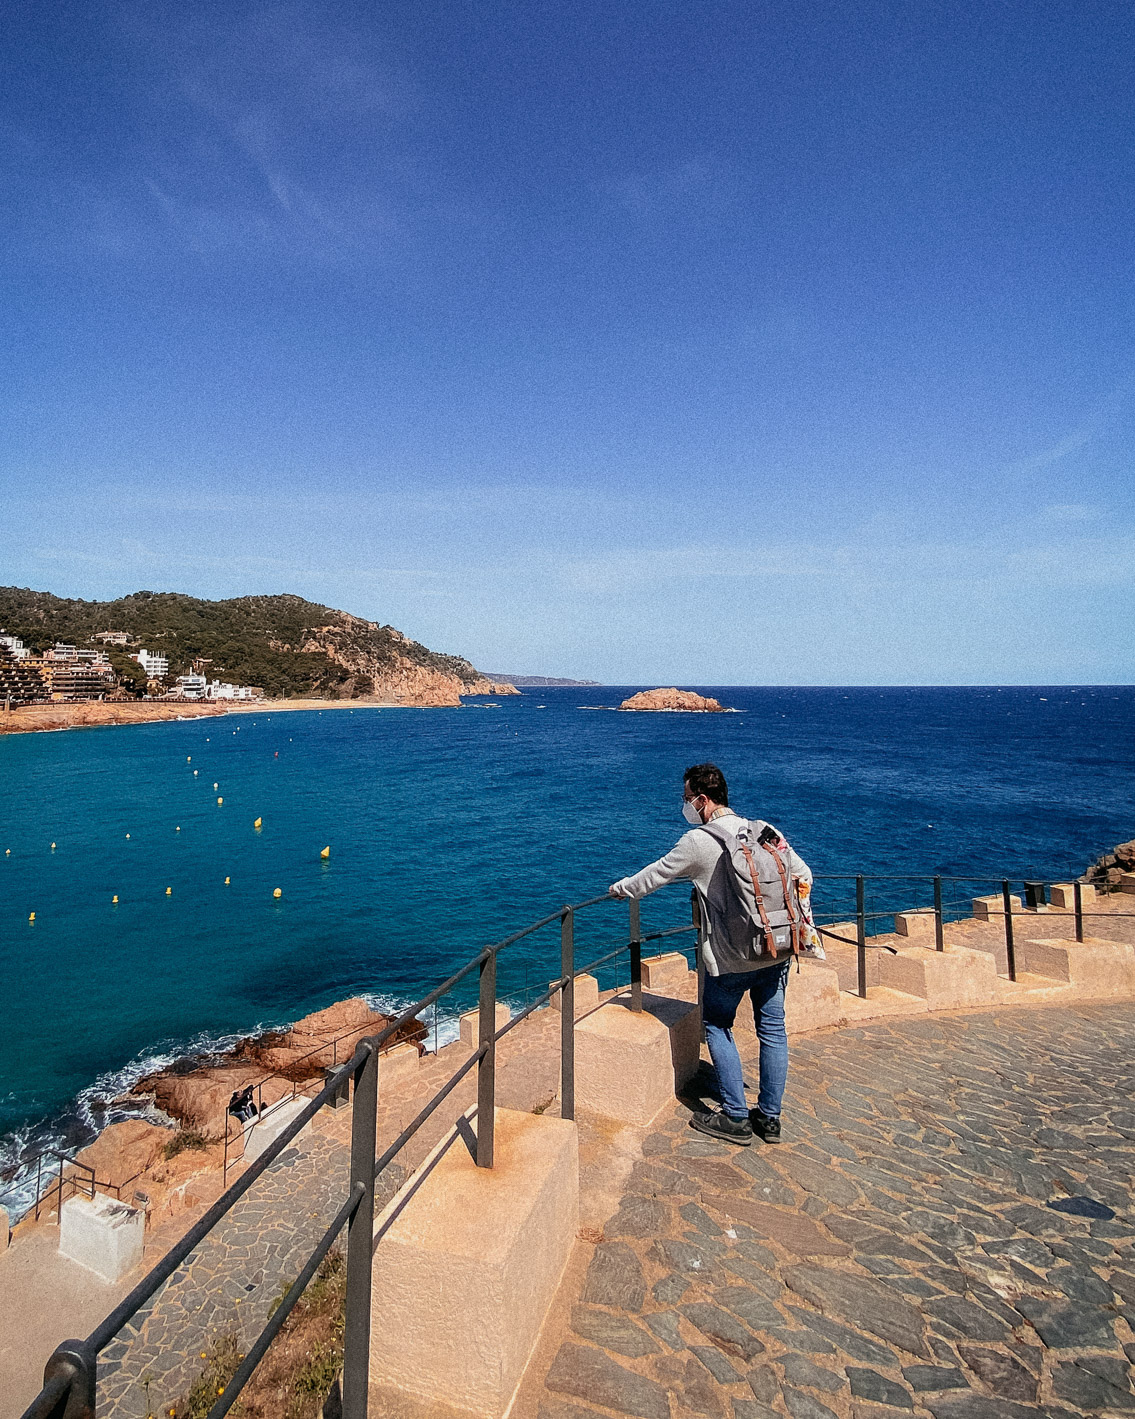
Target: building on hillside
column 15, row 647
column 122, row 638
column 155, row 666
column 72, row 674
column 221, row 690
column 20, row 681
column 191, row 687
column 71, row 655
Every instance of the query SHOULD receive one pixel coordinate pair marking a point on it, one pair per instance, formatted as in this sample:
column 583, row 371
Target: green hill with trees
column 284, row 644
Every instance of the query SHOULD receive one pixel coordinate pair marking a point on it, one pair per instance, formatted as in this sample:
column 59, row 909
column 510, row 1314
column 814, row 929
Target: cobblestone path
column 229, row 1283
column 897, row 1255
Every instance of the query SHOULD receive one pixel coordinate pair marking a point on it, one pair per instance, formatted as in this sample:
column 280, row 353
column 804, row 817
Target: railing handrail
column 75, row 1361
column 78, row 1358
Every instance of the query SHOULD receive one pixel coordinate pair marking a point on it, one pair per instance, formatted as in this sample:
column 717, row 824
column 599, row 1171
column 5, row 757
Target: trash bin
column 1035, row 896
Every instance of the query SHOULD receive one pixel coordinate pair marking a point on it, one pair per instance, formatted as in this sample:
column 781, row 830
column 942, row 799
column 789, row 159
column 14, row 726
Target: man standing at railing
column 746, row 876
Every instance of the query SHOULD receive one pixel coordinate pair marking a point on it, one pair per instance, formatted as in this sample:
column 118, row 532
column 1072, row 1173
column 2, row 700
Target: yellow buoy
column 257, row 822
column 177, row 830
column 226, row 881
column 114, row 900
column 7, row 852
column 169, row 891
column 127, row 837
column 215, row 787
column 52, row 847
column 276, row 892
column 31, row 916
column 219, row 802
column 326, row 852
column 189, row 758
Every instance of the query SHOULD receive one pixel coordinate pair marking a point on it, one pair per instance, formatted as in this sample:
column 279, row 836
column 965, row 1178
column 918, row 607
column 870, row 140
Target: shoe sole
column 721, row 1137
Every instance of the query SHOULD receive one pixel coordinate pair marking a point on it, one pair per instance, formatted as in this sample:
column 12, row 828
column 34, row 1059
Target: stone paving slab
column 896, row 1255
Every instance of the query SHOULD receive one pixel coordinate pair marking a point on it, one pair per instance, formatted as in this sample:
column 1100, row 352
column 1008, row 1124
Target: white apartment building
column 191, row 687
column 16, row 647
column 221, row 690
column 155, row 666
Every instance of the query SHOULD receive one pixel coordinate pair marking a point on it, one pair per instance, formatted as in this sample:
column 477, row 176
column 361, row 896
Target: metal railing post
column 567, row 1015
column 1078, row 908
column 861, row 936
column 75, row 1360
column 636, row 954
column 487, row 1068
column 1010, row 954
column 939, row 942
column 360, row 1238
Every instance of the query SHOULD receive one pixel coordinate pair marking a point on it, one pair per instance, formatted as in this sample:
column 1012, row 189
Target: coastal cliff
column 284, row 645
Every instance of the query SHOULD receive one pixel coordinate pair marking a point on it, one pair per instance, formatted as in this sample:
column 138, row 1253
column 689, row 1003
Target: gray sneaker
column 720, row 1125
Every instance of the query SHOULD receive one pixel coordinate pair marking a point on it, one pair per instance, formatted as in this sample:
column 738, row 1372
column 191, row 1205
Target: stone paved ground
column 896, row 1255
column 230, row 1282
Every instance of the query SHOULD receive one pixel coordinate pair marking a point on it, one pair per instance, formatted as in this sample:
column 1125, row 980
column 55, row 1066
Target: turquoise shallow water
column 448, row 829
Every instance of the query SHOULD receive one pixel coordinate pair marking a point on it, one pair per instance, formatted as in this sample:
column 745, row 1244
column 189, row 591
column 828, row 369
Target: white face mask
column 691, row 814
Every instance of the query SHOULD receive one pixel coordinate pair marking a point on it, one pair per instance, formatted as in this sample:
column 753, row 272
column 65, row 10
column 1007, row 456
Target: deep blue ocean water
column 450, row 828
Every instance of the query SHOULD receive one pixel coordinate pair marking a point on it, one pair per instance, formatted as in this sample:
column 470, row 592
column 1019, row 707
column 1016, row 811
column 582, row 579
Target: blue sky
column 709, row 343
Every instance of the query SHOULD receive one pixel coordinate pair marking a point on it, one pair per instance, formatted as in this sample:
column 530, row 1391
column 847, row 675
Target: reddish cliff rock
column 672, row 699
column 198, row 1097
column 123, row 1150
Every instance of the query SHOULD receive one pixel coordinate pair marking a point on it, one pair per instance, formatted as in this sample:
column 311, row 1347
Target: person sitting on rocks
column 751, row 933
column 242, row 1106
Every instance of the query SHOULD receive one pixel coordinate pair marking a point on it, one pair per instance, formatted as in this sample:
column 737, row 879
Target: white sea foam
column 108, row 1100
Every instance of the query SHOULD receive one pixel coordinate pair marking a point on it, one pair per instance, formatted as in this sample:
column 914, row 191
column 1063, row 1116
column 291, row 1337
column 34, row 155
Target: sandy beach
column 28, row 719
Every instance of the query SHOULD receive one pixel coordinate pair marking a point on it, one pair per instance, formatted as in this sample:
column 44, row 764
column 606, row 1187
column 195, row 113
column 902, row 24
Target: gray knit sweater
column 698, row 857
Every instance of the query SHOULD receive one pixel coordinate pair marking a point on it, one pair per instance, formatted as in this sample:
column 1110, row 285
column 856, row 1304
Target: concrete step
column 1093, row 967
column 955, row 978
column 881, row 1000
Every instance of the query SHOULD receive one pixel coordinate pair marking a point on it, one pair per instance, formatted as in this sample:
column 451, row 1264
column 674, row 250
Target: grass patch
column 301, row 1365
column 221, row 1363
column 185, row 1140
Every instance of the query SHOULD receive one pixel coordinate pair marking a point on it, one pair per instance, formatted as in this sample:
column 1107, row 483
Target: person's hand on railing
column 619, row 889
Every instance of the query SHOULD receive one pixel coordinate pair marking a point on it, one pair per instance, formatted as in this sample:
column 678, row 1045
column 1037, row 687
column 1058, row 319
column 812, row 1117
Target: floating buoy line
column 257, row 823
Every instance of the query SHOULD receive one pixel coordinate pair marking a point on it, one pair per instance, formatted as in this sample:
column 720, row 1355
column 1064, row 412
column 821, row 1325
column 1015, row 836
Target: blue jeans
column 723, row 994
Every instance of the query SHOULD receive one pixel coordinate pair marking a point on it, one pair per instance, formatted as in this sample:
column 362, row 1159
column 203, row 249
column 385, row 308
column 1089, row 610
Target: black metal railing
column 944, row 911
column 69, row 1389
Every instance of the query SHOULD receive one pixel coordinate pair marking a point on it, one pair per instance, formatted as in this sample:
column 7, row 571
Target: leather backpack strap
column 793, row 919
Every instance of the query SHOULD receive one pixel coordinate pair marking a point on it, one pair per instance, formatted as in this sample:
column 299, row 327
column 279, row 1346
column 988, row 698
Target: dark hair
column 707, row 779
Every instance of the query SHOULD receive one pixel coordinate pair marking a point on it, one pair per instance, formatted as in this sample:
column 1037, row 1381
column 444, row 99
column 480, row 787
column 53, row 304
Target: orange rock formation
column 672, row 699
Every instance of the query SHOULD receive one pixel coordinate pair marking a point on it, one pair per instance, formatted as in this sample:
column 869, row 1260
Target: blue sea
column 448, row 829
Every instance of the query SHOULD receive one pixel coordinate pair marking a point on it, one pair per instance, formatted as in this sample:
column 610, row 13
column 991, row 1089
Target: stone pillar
column 401, row 1062
column 918, row 924
column 947, row 980
column 270, row 1125
column 1094, row 968
column 993, row 908
column 1063, row 894
column 468, row 1261
column 665, row 973
column 471, row 1025
column 628, row 1065
column 586, row 996
column 102, row 1234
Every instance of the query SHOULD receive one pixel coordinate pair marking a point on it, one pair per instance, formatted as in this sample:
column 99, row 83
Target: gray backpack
column 765, row 920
